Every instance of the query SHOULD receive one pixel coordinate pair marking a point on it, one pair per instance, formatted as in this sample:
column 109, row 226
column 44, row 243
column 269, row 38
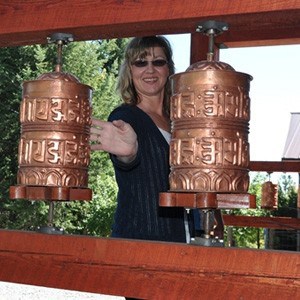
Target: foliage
column 94, row 63
column 14, row 63
column 287, row 207
column 287, row 197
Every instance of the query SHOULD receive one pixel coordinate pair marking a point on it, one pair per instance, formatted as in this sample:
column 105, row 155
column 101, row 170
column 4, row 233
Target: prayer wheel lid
column 209, row 65
column 212, row 65
column 211, row 28
column 58, row 76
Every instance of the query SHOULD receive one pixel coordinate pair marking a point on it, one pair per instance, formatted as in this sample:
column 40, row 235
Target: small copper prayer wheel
column 269, row 195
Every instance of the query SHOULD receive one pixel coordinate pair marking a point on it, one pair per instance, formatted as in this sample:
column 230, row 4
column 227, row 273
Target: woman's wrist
column 129, row 158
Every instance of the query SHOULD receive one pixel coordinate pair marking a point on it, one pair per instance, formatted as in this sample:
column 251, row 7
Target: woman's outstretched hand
column 116, row 137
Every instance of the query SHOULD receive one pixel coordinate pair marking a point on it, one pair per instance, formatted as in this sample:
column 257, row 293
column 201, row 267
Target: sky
column 274, row 90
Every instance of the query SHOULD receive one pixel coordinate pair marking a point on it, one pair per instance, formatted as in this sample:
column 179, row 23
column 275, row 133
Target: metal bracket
column 212, row 27
column 60, row 37
column 209, row 242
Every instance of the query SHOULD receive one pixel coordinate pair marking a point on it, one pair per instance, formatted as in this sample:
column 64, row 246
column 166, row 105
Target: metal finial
column 60, row 37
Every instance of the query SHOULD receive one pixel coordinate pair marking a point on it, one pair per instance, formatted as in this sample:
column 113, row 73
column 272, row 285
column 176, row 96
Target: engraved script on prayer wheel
column 210, row 113
column 55, row 122
column 269, row 195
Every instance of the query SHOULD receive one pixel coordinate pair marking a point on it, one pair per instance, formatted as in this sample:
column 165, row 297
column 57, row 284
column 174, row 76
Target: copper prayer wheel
column 209, row 149
column 210, row 113
column 55, row 125
column 54, row 150
column 269, row 195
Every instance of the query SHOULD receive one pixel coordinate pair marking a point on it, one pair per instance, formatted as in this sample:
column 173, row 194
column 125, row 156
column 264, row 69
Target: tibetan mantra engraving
column 210, row 113
column 54, row 147
column 269, row 195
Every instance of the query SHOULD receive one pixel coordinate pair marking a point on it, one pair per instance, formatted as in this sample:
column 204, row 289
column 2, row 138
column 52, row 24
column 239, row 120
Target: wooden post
column 298, row 212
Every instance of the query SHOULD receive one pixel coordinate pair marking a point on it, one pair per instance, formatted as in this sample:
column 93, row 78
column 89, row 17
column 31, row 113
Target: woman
column 137, row 137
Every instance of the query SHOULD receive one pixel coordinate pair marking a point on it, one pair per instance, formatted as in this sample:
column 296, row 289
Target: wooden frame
column 135, row 268
column 251, row 22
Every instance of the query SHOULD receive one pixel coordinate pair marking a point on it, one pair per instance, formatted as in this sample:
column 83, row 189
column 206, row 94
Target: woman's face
column 149, row 79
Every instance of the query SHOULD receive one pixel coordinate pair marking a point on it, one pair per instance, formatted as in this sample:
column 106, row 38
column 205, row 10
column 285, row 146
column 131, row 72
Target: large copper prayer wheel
column 210, row 113
column 55, row 128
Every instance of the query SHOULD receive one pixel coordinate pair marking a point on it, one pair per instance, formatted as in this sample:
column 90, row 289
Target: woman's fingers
column 116, row 137
column 97, row 122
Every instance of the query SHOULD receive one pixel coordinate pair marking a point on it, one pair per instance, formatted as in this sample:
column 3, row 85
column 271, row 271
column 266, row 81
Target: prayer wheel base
column 207, row 200
column 209, row 242
column 50, row 230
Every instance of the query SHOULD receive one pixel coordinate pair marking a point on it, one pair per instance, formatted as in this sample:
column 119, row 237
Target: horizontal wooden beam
column 30, row 22
column 275, row 166
column 262, row 222
column 147, row 270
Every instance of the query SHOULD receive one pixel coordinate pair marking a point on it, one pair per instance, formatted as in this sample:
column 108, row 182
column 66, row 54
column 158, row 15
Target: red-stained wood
column 199, row 48
column 275, row 166
column 207, row 200
column 51, row 193
column 284, row 223
column 30, row 22
column 149, row 270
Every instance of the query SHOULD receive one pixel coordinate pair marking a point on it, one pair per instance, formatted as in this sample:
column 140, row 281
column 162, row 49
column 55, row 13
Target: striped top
column 138, row 215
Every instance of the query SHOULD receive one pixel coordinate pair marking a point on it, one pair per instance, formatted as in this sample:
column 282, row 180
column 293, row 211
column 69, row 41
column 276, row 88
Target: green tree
column 287, row 207
column 287, row 197
column 248, row 236
column 14, row 65
column 251, row 237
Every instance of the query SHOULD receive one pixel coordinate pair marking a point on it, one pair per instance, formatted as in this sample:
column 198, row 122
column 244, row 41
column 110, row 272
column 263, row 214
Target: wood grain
column 149, row 270
column 285, row 223
column 30, row 22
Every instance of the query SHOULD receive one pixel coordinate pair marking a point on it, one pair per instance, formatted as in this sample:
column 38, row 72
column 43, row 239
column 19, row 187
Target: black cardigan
column 138, row 215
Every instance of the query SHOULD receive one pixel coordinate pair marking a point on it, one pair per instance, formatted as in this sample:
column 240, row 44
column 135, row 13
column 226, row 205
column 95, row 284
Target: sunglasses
column 144, row 63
